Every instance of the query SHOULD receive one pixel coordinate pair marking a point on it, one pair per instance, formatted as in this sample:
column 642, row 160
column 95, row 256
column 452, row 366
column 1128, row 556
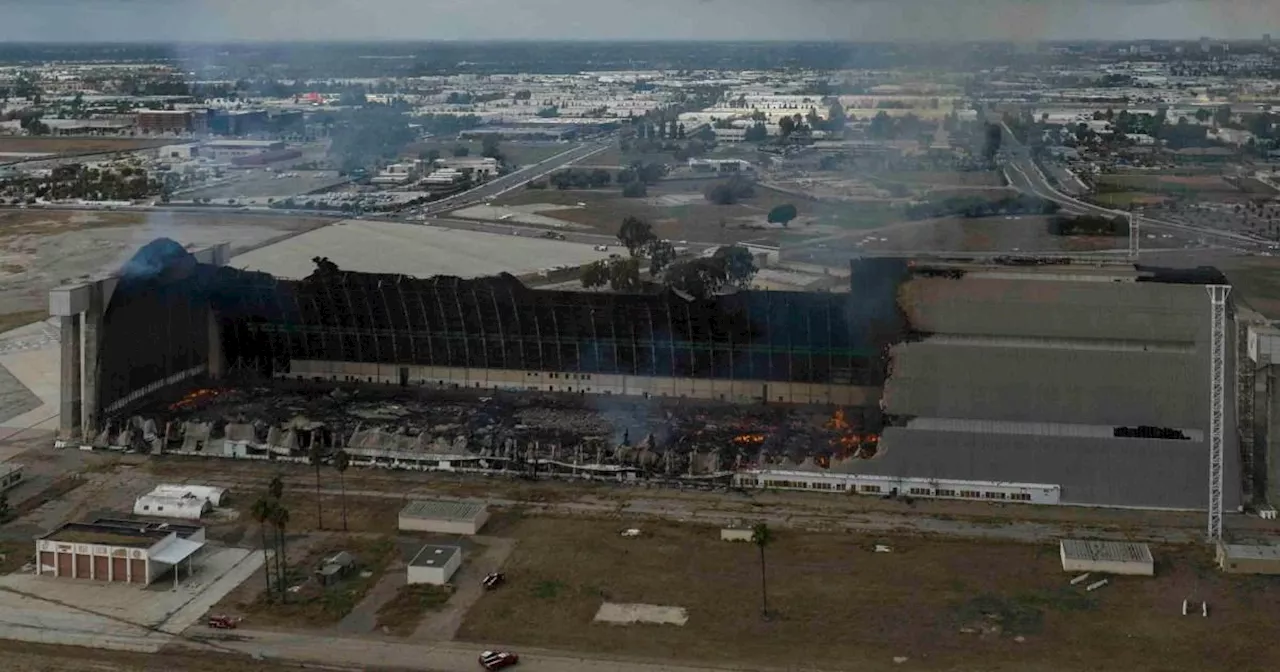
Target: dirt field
column 41, row 249
column 943, row 605
column 1166, row 184
column 944, row 178
column 77, row 145
column 26, row 657
column 520, row 153
column 678, row 211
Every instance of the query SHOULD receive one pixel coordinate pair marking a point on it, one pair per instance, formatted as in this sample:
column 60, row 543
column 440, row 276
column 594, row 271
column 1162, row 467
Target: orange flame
column 194, row 398
column 746, row 439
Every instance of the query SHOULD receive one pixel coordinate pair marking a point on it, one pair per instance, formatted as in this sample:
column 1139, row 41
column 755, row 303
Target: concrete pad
column 31, row 619
column 515, row 214
column 414, row 250
column 30, row 362
column 156, row 606
column 629, row 614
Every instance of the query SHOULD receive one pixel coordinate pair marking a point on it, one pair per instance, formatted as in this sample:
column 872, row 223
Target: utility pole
column 1217, row 401
column 1134, row 235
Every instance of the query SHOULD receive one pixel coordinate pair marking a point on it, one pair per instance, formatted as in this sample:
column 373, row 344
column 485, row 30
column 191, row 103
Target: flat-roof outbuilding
column 1106, row 557
column 434, row 565
column 1249, row 559
column 443, row 517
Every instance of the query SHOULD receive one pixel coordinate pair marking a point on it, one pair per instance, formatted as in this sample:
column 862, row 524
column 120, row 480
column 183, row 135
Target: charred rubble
column 528, row 434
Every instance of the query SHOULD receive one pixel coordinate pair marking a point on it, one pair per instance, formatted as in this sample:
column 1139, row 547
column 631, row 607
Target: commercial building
column 10, row 475
column 443, row 517
column 118, row 550
column 227, row 150
column 164, row 121
column 1106, row 557
column 434, row 565
column 1249, row 559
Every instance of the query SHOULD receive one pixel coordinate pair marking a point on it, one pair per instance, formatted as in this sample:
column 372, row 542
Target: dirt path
column 364, row 617
column 443, row 626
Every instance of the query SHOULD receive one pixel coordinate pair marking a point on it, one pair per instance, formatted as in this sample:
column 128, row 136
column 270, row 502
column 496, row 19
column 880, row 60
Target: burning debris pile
column 515, row 432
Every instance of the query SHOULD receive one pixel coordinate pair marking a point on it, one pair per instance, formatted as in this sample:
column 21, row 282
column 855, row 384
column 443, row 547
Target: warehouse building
column 434, row 565
column 119, row 551
column 1067, row 385
column 443, row 517
column 1006, row 381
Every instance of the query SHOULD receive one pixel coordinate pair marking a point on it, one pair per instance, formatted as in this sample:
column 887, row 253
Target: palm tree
column 316, row 459
column 762, row 536
column 341, row 460
column 280, row 519
column 262, row 511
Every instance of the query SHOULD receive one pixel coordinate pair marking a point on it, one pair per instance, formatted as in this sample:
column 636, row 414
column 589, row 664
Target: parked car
column 493, row 580
column 222, row 622
column 496, row 660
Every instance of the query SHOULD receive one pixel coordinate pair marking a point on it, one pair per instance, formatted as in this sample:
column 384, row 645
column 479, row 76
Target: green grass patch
column 1019, row 614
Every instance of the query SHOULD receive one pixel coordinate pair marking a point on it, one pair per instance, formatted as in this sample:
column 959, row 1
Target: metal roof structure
column 1030, row 377
column 443, row 510
column 1105, row 551
column 434, row 556
column 1047, row 384
column 1138, row 473
column 175, row 550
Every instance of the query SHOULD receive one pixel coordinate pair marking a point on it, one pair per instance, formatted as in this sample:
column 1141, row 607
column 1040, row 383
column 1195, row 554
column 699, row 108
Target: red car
column 221, row 622
column 496, row 660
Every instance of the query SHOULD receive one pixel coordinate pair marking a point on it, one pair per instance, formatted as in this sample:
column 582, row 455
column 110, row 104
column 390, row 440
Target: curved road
column 1025, row 176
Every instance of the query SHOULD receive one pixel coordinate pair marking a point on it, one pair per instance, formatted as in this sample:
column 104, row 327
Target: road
column 360, row 654
column 1025, row 176
column 511, row 181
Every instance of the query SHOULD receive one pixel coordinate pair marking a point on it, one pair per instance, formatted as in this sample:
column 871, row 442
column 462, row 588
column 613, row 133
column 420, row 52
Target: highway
column 515, row 180
column 1025, row 176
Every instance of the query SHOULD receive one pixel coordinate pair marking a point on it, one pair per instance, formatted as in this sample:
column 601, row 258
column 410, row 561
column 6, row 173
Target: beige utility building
column 1249, row 559
column 118, row 551
column 1106, row 557
column 434, row 565
column 443, row 517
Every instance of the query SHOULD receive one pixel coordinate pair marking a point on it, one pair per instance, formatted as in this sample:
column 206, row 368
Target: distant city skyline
column 852, row 20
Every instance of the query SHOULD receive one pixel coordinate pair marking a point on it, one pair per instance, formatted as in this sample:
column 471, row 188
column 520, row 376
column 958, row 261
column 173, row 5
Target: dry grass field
column 71, row 146
column 678, row 211
column 943, row 605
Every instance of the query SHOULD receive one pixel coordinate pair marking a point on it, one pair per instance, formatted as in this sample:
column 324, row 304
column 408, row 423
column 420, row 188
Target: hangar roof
column 1143, row 473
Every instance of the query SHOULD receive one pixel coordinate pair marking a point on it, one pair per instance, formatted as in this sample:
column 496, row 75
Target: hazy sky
column 212, row 20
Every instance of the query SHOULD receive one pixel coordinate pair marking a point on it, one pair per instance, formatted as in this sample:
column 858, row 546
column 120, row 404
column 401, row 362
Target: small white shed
column 443, row 517
column 434, row 565
column 736, row 534
column 188, row 507
column 216, row 496
column 1106, row 557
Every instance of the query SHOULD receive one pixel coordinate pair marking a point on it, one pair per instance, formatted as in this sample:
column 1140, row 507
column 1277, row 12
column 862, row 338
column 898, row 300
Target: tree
column 762, row 536
column 680, row 132
column 835, row 117
column 635, row 190
column 595, row 274
column 738, row 264
column 262, row 511
column 786, row 126
column 489, row 148
column 661, row 254
column 991, row 143
column 280, row 520
column 783, row 214
column 624, row 274
column 341, row 460
column 635, row 234
column 461, row 151
column 5, row 509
